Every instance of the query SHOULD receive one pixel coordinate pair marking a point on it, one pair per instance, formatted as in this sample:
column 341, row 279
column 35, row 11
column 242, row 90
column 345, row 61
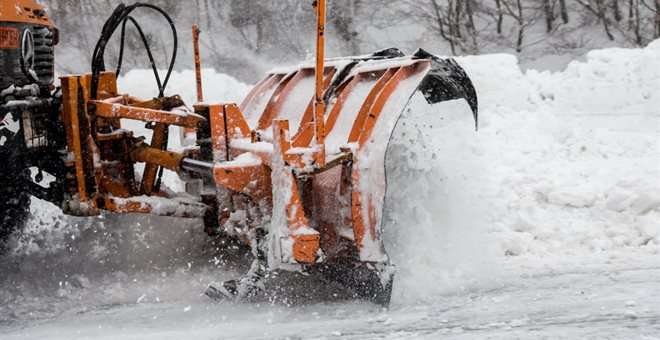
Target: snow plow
column 296, row 171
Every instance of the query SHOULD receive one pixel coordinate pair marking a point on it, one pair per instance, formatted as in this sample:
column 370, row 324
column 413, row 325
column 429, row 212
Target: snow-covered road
column 599, row 302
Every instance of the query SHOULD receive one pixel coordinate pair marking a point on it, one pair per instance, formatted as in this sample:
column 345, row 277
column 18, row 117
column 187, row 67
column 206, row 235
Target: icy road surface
column 544, row 224
column 608, row 302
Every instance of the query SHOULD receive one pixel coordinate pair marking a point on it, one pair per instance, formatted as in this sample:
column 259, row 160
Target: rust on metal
column 139, row 205
column 24, row 11
column 9, row 38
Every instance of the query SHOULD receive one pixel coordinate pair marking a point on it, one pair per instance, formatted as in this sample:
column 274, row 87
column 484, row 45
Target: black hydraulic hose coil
column 121, row 16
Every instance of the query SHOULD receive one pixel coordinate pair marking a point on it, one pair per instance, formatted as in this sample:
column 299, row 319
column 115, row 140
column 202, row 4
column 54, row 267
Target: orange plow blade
column 321, row 205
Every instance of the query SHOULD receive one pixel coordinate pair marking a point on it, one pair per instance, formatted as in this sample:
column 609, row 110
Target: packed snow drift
column 564, row 167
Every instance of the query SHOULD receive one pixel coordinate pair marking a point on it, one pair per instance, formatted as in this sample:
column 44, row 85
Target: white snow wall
column 564, row 164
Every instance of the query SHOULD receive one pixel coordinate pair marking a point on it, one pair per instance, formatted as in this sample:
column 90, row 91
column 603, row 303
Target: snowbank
column 218, row 87
column 565, row 165
column 576, row 154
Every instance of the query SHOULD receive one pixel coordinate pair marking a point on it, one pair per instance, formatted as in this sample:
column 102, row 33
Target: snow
column 216, row 86
column 543, row 224
column 379, row 65
column 243, row 160
column 10, row 124
column 280, row 241
column 374, row 180
column 253, row 112
column 246, row 144
column 178, row 206
column 550, row 178
column 337, row 63
column 296, row 103
column 338, row 136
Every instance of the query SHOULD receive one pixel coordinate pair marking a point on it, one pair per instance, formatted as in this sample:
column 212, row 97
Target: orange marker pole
column 319, row 102
column 198, row 63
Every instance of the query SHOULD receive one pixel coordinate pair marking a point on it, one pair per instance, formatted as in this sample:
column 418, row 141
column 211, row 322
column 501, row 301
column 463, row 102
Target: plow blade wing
column 448, row 81
column 438, row 81
column 339, row 186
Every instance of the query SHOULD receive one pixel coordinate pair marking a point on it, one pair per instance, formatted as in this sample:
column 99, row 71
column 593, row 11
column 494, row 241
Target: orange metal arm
column 158, row 142
column 71, row 114
column 157, row 158
column 319, row 102
column 109, row 110
column 198, row 63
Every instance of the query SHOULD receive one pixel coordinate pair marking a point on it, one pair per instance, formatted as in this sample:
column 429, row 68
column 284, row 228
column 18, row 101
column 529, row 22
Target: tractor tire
column 14, row 209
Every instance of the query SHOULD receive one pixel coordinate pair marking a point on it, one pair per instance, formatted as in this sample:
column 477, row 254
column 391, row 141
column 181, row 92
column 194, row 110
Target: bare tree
column 452, row 20
column 242, row 37
column 657, row 19
column 616, row 9
column 637, row 26
column 500, row 15
column 655, row 9
column 549, row 10
column 343, row 16
column 471, row 27
column 634, row 20
column 564, row 11
column 514, row 9
column 598, row 8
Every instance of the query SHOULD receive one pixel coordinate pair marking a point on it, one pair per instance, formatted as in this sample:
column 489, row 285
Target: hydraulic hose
column 121, row 16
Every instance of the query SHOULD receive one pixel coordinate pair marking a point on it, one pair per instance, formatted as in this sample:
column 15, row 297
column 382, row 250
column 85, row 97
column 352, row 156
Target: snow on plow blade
column 323, row 202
